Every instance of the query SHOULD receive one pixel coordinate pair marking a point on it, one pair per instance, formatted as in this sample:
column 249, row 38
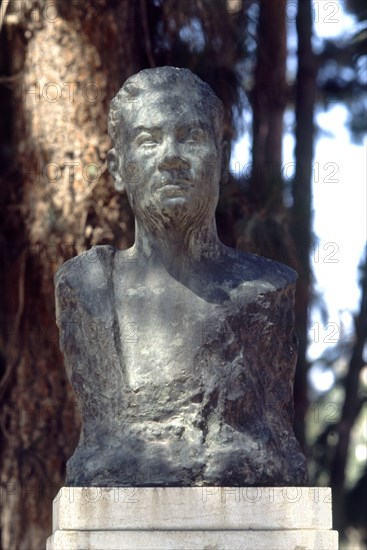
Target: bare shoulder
column 88, row 269
column 251, row 268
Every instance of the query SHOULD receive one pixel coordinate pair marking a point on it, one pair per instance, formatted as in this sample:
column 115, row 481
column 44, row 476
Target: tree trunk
column 264, row 227
column 67, row 61
column 302, row 192
column 268, row 104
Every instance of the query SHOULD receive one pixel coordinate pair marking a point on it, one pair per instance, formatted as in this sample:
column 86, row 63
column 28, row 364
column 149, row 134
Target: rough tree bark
column 67, row 61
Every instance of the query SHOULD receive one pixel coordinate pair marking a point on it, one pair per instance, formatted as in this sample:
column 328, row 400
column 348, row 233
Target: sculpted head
column 168, row 149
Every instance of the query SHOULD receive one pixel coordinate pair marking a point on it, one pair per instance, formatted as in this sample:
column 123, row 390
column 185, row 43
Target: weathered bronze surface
column 181, row 350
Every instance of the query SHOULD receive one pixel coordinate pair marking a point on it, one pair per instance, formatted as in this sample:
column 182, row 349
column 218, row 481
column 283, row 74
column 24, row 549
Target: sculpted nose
column 171, row 157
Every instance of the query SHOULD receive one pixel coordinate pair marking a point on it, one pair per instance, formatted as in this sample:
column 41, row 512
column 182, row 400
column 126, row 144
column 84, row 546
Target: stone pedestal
column 243, row 518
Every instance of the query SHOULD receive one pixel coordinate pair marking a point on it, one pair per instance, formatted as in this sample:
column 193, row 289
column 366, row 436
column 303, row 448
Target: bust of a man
column 181, row 350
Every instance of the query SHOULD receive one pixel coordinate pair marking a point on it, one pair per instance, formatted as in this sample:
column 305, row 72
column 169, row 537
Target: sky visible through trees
column 339, row 197
column 339, row 227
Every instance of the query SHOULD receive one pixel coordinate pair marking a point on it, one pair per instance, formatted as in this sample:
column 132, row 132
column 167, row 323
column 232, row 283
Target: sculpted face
column 169, row 158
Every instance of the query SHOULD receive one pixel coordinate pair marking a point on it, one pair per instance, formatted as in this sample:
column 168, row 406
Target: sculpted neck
column 177, row 246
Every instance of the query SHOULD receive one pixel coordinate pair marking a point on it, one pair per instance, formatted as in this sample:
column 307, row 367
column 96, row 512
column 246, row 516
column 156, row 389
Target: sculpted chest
column 164, row 326
column 161, row 371
column 145, row 331
column 161, row 328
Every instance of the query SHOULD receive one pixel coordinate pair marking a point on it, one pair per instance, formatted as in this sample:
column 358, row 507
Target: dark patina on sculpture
column 181, row 350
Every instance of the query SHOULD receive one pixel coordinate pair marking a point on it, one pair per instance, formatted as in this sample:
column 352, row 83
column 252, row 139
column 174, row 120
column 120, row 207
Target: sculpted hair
column 162, row 78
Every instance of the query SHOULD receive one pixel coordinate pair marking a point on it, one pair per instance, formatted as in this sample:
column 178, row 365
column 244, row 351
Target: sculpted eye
column 195, row 135
column 147, row 140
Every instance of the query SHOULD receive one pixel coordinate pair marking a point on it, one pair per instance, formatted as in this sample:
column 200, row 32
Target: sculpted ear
column 225, row 161
column 114, row 169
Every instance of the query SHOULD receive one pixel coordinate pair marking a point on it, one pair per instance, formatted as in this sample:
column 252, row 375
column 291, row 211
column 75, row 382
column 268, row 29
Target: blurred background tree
column 61, row 63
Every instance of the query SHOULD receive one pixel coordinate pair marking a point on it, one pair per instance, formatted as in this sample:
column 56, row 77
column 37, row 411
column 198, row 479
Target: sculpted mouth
column 176, row 183
column 181, row 183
